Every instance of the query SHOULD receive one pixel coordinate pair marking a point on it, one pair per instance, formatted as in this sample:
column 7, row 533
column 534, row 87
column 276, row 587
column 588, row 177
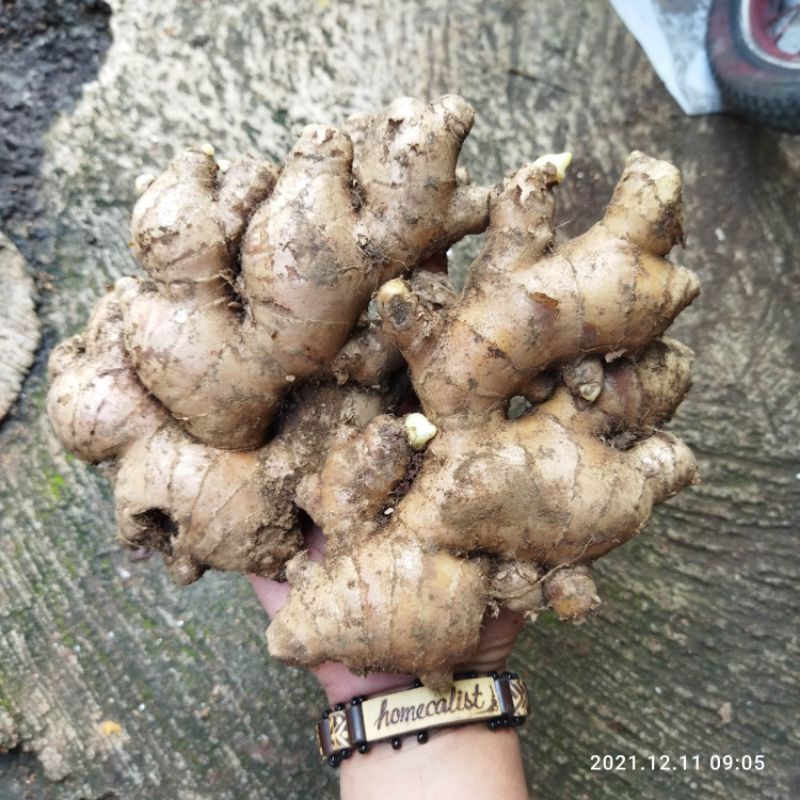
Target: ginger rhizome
column 257, row 375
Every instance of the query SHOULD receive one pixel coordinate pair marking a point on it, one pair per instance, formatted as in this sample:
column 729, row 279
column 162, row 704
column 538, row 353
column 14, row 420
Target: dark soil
column 48, row 50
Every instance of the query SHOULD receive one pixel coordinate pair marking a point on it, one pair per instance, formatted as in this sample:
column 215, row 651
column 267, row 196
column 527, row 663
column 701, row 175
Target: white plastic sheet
column 672, row 34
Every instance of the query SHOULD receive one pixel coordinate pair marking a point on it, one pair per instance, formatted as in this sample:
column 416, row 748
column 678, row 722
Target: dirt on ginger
column 257, row 376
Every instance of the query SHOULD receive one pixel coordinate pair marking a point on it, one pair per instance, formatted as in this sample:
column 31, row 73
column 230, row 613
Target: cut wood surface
column 116, row 684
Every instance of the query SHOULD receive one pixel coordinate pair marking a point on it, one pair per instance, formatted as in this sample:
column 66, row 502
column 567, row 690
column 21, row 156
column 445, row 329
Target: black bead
column 417, row 683
column 494, row 724
column 364, row 747
column 422, row 737
column 326, row 713
column 493, row 674
column 347, row 753
column 339, row 707
column 519, row 722
column 334, row 760
column 357, row 701
column 397, row 743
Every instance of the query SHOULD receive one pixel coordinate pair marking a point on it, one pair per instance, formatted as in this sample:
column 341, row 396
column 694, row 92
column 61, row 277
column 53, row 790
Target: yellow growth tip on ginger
column 560, row 161
column 590, row 391
column 393, row 288
column 419, row 430
column 259, row 371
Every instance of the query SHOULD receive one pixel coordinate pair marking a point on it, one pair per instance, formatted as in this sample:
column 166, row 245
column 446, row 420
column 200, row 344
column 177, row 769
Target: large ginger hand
column 253, row 374
column 501, row 512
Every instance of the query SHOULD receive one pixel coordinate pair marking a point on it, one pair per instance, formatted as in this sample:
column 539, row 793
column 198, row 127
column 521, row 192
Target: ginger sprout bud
column 560, row 161
column 590, row 391
column 419, row 430
column 392, row 288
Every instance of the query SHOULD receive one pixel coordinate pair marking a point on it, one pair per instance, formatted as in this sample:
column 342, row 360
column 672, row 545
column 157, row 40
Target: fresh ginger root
column 523, row 506
column 255, row 371
column 219, row 349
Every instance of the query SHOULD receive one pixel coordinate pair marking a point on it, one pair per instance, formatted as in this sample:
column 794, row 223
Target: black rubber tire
column 750, row 85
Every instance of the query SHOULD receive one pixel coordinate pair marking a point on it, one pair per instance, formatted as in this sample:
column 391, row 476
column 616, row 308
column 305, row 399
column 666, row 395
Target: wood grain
column 698, row 612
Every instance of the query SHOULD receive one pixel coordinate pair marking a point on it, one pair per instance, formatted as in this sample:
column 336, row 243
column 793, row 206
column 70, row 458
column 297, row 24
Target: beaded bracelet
column 499, row 700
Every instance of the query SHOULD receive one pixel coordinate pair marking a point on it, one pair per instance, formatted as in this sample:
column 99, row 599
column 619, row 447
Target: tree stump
column 116, row 684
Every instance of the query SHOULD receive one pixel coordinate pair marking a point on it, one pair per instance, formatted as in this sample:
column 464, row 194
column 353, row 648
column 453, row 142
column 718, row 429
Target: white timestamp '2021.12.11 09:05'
column 716, row 762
